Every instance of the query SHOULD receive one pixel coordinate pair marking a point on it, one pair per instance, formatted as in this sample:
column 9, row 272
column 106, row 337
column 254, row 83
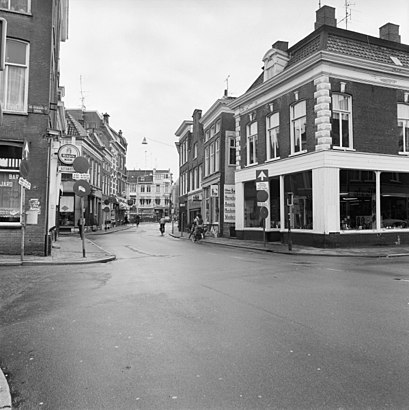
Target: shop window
column 251, row 210
column 273, row 132
column 275, row 202
column 298, row 131
column 403, row 125
column 300, row 185
column 394, row 200
column 357, row 199
column 10, row 189
column 342, row 121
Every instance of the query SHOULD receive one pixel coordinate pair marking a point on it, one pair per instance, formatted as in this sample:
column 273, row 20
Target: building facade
column 218, row 205
column 324, row 131
column 31, row 123
column 149, row 194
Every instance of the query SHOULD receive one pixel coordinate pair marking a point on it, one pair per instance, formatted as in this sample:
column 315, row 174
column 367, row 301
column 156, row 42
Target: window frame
column 8, row 7
column 296, row 119
column 401, row 108
column 270, row 128
column 4, row 79
column 251, row 141
column 341, row 112
column 231, row 147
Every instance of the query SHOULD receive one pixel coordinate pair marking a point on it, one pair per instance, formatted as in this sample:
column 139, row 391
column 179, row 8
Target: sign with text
column 24, row 183
column 229, row 203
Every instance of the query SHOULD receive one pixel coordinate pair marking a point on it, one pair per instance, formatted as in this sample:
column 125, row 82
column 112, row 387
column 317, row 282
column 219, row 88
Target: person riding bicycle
column 197, row 228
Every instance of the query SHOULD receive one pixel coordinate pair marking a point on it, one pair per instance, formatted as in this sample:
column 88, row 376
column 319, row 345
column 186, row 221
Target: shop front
column 342, row 201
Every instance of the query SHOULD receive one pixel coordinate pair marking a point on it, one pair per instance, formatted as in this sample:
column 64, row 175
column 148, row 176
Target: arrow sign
column 261, row 175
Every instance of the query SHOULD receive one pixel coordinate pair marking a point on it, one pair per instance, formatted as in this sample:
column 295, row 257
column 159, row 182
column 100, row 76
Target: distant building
column 149, row 193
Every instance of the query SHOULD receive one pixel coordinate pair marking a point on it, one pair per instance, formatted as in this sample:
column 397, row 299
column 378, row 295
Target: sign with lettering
column 229, row 203
column 67, row 153
column 24, row 183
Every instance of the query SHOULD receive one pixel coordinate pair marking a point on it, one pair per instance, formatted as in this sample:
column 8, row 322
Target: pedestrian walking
column 137, row 220
column 162, row 223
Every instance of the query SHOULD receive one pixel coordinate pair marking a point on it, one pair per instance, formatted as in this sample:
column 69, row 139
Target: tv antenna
column 83, row 108
column 348, row 13
column 227, row 85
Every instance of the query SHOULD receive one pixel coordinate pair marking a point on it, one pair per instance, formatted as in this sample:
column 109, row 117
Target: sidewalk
column 67, row 250
column 278, row 247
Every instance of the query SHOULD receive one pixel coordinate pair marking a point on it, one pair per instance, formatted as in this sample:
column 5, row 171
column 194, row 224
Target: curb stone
column 5, row 397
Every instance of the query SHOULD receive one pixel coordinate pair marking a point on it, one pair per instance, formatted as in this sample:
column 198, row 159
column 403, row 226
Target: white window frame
column 251, row 139
column 207, row 161
column 231, row 146
column 298, row 120
column 403, row 122
column 273, row 133
column 9, row 6
column 342, row 111
column 217, row 155
column 212, row 158
column 4, row 79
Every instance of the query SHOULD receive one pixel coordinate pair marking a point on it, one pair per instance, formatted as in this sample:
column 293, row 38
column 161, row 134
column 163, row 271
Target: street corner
column 5, row 396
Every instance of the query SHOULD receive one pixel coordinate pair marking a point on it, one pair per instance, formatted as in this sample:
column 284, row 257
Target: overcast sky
column 150, row 63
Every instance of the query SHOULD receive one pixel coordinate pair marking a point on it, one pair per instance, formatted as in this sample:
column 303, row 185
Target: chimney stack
column 325, row 16
column 106, row 118
column 390, row 32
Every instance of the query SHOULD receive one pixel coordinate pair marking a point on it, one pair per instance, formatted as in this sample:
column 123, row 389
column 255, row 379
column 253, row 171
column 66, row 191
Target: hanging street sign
column 24, row 183
column 24, row 168
column 264, row 212
column 82, row 188
column 262, row 175
column 67, row 153
column 81, row 164
column 77, row 175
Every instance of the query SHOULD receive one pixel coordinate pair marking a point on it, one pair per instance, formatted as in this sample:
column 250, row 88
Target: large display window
column 275, row 202
column 251, row 210
column 357, row 199
column 394, row 200
column 300, row 186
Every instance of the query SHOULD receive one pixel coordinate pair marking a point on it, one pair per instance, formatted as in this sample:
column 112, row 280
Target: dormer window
column 275, row 60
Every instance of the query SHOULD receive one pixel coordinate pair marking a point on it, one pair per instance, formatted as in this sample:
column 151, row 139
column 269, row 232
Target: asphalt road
column 176, row 325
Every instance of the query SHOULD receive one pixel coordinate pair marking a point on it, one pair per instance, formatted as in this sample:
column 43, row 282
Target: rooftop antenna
column 319, row 4
column 227, row 85
column 83, row 108
column 348, row 13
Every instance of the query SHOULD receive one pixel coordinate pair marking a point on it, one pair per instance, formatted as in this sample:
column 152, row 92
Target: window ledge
column 298, row 153
column 251, row 165
column 273, row 159
column 343, row 148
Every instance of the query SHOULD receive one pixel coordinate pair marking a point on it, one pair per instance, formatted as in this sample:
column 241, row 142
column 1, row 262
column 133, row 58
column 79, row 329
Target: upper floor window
column 217, row 155
column 251, row 138
column 231, row 141
column 14, row 79
column 207, row 160
column 403, row 124
column 342, row 121
column 298, row 132
column 20, row 6
column 273, row 131
column 217, row 126
column 195, row 150
column 207, row 135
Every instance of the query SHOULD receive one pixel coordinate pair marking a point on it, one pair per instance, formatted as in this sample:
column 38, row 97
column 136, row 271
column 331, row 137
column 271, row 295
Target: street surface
column 176, row 325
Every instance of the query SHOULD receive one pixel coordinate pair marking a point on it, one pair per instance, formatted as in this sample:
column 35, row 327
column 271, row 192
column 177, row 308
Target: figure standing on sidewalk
column 137, row 220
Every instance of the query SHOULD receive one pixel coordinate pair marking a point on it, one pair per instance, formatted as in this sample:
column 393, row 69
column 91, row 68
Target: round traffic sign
column 262, row 196
column 82, row 188
column 81, row 165
column 24, row 168
column 263, row 212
